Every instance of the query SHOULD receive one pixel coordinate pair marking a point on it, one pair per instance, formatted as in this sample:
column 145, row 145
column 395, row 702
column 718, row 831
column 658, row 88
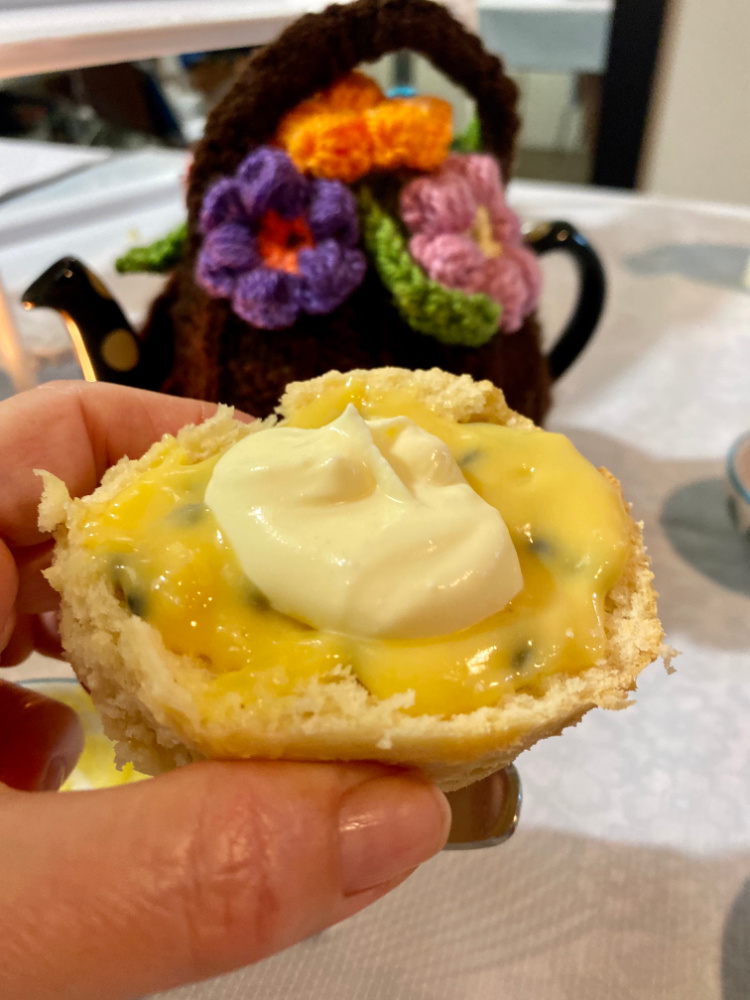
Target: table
column 25, row 163
column 630, row 873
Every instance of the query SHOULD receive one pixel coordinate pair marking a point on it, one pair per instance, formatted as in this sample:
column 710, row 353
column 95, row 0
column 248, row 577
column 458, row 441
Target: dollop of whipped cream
column 365, row 527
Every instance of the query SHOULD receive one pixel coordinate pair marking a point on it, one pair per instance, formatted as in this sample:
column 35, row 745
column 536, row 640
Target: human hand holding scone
column 122, row 892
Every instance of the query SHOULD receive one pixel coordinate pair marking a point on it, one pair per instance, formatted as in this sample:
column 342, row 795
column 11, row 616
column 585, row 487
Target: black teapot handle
column 549, row 237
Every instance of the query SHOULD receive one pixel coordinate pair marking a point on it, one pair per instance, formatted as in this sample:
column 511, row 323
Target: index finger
column 76, row 430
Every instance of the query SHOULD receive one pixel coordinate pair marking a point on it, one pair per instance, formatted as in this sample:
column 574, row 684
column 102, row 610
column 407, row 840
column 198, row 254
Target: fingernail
column 54, row 776
column 388, row 826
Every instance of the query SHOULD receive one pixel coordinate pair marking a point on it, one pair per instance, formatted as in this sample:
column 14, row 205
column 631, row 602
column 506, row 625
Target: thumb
column 119, row 893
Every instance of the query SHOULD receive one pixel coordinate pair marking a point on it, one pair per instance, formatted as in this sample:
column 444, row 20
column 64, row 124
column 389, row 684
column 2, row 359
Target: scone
column 400, row 569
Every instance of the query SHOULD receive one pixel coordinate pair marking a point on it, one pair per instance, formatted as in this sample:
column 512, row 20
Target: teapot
column 198, row 342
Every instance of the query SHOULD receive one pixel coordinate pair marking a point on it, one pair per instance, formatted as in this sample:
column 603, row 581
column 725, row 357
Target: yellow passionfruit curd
column 170, row 564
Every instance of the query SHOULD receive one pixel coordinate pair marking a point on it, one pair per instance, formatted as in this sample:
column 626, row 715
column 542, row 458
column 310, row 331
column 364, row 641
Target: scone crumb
column 667, row 654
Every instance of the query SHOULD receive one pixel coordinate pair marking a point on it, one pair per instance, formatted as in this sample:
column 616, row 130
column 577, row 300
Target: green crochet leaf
column 160, row 256
column 469, row 141
column 451, row 316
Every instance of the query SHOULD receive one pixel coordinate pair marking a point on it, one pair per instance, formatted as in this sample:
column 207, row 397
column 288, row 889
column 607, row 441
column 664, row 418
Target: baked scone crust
column 147, row 694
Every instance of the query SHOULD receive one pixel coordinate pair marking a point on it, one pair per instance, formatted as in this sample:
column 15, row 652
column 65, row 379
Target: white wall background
column 698, row 142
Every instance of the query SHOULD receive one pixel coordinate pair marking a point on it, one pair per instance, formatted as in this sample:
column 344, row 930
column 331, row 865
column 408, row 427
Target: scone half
column 166, row 708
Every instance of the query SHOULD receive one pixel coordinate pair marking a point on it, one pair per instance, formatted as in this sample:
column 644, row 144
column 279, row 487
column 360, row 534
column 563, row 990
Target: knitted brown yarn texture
column 219, row 356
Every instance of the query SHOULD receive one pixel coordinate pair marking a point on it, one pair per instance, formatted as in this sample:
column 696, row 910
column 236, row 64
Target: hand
column 121, row 892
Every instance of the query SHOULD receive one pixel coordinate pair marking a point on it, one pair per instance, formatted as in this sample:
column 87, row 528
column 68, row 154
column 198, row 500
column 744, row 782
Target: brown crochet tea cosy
column 328, row 224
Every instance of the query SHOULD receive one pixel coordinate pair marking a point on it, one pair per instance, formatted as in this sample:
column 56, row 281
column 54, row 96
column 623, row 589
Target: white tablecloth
column 629, row 876
column 23, row 162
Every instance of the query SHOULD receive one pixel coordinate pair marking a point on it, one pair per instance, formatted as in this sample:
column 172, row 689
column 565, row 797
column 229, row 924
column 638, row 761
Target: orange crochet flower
column 410, row 132
column 331, row 144
column 350, row 129
column 355, row 92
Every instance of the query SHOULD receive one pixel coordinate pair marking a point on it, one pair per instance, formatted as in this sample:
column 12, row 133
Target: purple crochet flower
column 277, row 244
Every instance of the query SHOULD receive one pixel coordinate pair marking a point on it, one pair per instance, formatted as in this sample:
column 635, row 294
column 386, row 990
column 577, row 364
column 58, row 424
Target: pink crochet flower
column 465, row 236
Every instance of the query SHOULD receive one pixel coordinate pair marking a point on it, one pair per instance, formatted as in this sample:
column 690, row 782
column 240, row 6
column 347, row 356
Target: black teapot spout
column 105, row 344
